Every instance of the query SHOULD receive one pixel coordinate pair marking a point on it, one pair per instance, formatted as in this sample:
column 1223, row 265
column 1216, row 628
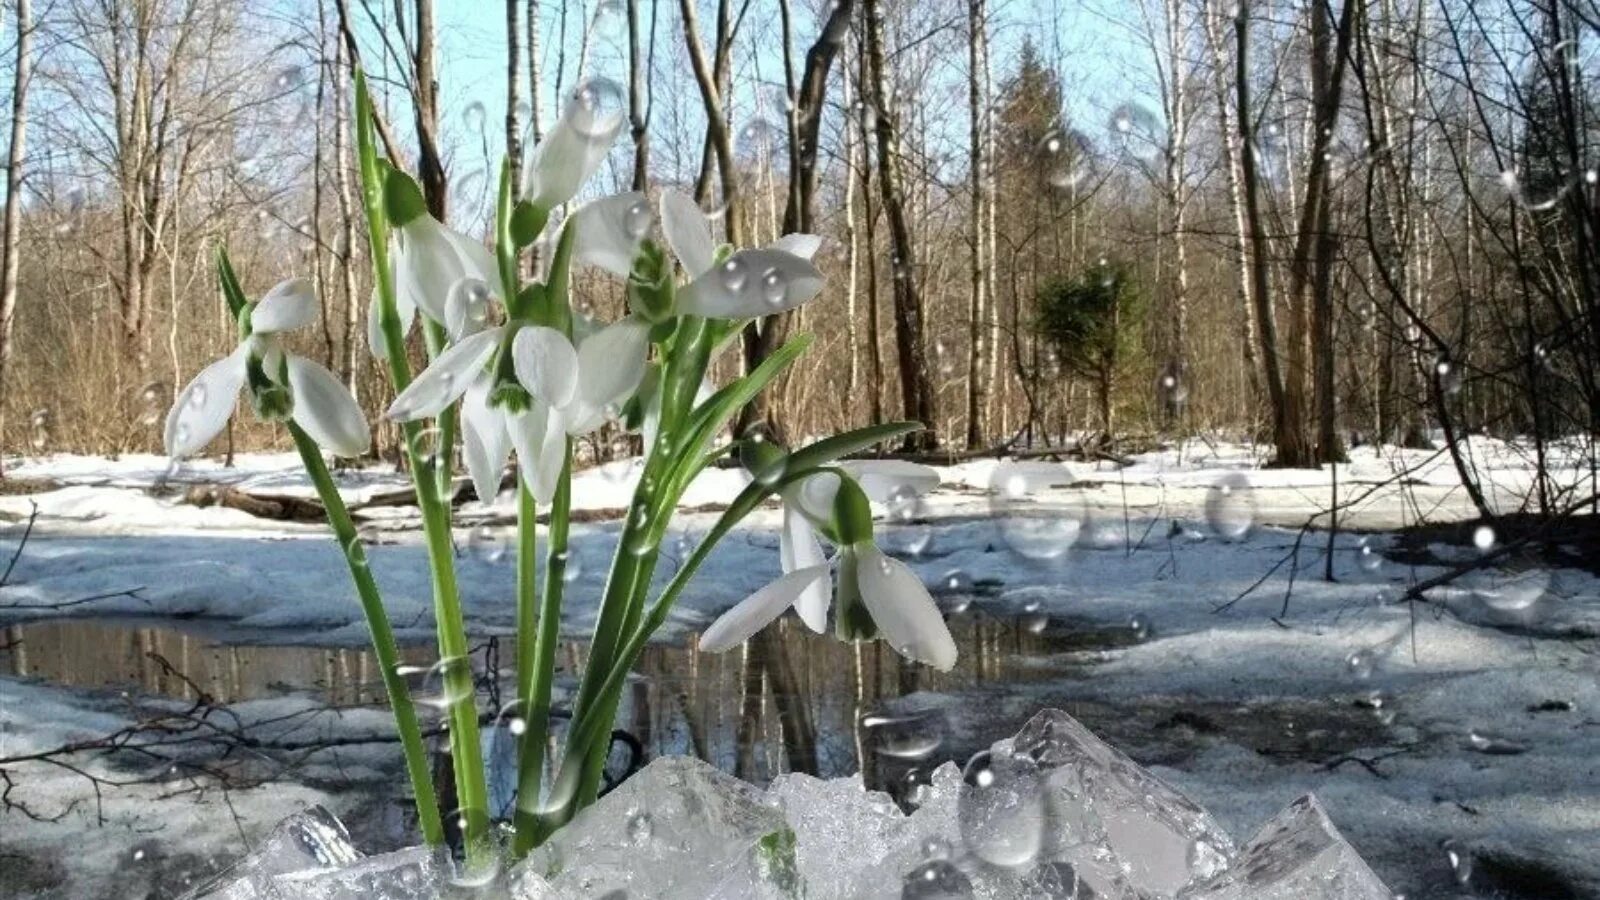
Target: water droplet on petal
column 733, row 275
column 774, row 287
column 637, row 220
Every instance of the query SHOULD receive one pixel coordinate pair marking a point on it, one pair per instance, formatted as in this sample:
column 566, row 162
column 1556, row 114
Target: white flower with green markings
column 876, row 593
column 281, row 384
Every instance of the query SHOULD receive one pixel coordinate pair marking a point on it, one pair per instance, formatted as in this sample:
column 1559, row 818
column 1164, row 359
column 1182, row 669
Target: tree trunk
column 425, row 100
column 916, row 390
column 535, row 103
column 347, row 231
column 9, row 251
column 513, row 93
column 977, row 113
column 638, row 96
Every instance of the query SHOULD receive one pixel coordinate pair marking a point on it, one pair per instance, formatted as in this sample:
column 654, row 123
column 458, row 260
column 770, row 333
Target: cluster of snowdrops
column 513, row 372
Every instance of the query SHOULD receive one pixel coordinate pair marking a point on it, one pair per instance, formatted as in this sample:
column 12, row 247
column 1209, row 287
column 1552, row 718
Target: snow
column 1269, row 664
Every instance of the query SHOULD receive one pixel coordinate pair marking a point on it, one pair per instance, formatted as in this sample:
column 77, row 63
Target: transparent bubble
column 774, row 287
column 442, row 685
column 574, row 567
column 637, row 220
column 1068, row 159
column 759, row 138
column 1172, row 389
column 473, row 873
column 916, row 787
column 1140, row 626
column 1368, row 556
column 908, row 530
column 154, row 399
column 40, row 423
column 1135, row 127
column 936, row 879
column 1459, row 861
column 1037, row 516
column 427, row 448
column 1493, row 744
column 1513, row 596
column 487, row 544
column 1535, row 197
column 1034, row 620
column 1448, row 374
column 1361, row 663
column 602, row 102
column 1483, row 538
column 1000, row 808
column 1230, row 507
column 610, row 18
column 913, row 735
column 474, row 117
column 639, row 826
column 734, row 275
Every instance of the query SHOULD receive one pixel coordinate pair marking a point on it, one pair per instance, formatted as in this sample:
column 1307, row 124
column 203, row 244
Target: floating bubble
column 443, row 685
column 1459, row 860
column 904, row 736
column 759, row 138
column 1172, row 389
column 1361, row 663
column 1536, row 197
column 1448, row 374
column 1036, row 515
column 474, row 117
column 1000, row 808
column 1068, row 159
column 916, row 787
column 1483, row 538
column 1230, row 507
column 1516, row 595
column 610, row 17
column 40, row 423
column 1034, row 620
column 1368, row 556
column 487, row 544
column 936, row 879
column 637, row 220
column 1140, row 626
column 1493, row 745
column 603, row 101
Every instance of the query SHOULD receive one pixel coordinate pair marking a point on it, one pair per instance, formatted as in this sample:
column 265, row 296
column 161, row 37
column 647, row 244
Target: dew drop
column 733, row 275
column 636, row 221
column 774, row 287
column 600, row 102
column 1000, row 808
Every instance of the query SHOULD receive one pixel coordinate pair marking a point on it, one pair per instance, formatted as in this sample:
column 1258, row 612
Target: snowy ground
column 1473, row 717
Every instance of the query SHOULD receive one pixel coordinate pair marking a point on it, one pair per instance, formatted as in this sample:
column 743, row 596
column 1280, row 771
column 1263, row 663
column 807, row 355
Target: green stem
column 537, row 672
column 466, row 752
column 383, row 644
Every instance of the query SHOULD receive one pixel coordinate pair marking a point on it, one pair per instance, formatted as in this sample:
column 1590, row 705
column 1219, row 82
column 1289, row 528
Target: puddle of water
column 789, row 700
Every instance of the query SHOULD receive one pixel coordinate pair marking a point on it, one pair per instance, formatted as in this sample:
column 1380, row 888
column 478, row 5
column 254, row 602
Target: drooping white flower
column 747, row 284
column 320, row 403
column 573, row 149
column 893, row 595
column 430, row 259
column 583, row 384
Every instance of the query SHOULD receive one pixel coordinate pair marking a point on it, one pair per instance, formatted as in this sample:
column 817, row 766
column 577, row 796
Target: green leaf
column 527, row 221
column 716, row 411
column 402, row 198
column 776, row 864
column 840, row 445
column 231, row 291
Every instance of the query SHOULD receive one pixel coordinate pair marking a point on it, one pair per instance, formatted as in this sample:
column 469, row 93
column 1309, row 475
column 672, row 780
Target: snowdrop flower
column 571, row 387
column 282, row 385
column 574, row 148
column 747, row 284
column 430, row 260
column 875, row 592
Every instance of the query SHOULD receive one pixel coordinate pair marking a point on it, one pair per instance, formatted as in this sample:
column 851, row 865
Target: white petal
column 202, row 408
column 804, row 246
column 579, row 418
column 474, row 258
column 402, row 305
column 688, row 232
column 546, row 364
column 883, row 480
column 428, row 265
column 266, row 348
column 446, row 379
column 484, row 440
column 534, row 436
column 324, row 408
column 290, row 304
column 569, row 154
column 611, row 363
column 466, row 310
column 750, row 284
column 754, row 612
column 903, row 609
column 610, row 230
column 798, row 548
column 813, row 497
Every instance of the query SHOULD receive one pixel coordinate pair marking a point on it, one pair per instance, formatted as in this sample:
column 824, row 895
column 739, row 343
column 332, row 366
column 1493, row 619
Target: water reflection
column 789, row 700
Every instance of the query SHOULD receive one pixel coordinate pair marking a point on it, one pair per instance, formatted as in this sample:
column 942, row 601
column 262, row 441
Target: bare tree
column 12, row 240
column 513, row 90
column 978, row 103
column 915, row 387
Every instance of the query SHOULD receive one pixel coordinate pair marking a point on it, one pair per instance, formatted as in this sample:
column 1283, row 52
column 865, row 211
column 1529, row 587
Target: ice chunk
column 415, row 873
column 310, row 839
column 1298, row 855
column 1114, row 821
column 677, row 829
column 838, row 820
